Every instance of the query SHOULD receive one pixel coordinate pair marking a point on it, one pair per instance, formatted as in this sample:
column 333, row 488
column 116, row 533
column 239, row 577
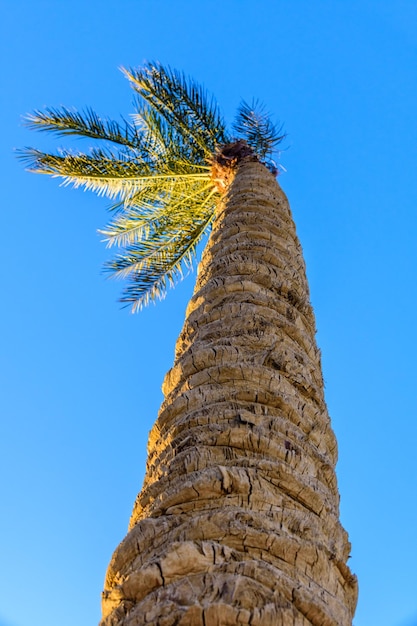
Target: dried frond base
column 225, row 161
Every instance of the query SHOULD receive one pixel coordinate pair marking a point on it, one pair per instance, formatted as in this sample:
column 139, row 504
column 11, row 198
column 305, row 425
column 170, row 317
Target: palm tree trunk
column 237, row 520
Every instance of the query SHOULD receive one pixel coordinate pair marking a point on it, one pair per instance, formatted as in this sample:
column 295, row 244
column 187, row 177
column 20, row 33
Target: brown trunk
column 237, row 520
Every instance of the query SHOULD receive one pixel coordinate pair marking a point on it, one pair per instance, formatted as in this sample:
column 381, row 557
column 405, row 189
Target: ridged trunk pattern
column 237, row 521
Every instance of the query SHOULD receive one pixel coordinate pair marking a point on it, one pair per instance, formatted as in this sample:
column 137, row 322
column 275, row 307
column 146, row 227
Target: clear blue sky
column 81, row 378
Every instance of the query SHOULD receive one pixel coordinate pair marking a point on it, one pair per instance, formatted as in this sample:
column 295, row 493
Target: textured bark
column 237, row 520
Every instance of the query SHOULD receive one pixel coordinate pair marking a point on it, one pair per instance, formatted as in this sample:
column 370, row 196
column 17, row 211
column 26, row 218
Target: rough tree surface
column 238, row 518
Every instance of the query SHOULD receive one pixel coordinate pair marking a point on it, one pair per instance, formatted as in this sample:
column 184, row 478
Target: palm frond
column 159, row 259
column 183, row 104
column 140, row 218
column 169, row 145
column 253, row 124
column 102, row 172
column 87, row 123
column 110, row 174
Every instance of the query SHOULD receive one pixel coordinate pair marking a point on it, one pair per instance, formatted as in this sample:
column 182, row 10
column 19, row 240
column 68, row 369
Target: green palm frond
column 111, row 177
column 156, row 169
column 162, row 250
column 85, row 124
column 183, row 104
column 105, row 173
column 135, row 223
column 253, row 124
column 151, row 125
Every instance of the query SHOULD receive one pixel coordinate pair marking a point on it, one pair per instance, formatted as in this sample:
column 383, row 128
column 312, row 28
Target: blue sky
column 81, row 378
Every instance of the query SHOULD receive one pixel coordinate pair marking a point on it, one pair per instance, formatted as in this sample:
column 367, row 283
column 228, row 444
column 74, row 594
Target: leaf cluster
column 254, row 124
column 156, row 170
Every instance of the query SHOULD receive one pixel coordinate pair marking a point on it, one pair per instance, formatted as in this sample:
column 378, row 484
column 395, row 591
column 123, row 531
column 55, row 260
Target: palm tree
column 238, row 518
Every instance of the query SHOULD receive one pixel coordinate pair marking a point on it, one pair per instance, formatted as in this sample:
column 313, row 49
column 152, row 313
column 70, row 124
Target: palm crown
column 157, row 169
